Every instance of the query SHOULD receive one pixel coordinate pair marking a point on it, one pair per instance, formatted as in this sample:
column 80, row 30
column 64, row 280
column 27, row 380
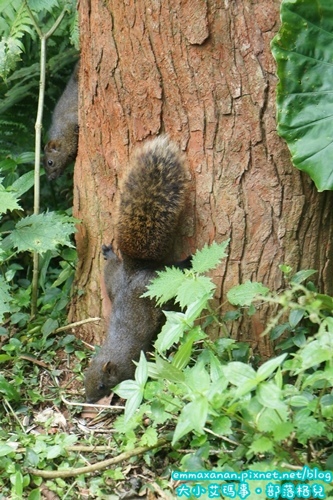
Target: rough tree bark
column 203, row 72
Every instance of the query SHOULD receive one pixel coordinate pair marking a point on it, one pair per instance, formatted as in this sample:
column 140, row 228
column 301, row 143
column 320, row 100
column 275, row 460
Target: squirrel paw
column 107, row 252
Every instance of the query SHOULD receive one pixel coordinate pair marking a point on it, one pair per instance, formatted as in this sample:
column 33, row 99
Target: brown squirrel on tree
column 152, row 198
column 61, row 148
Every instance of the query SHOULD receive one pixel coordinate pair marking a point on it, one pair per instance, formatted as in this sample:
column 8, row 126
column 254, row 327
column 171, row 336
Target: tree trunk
column 203, row 72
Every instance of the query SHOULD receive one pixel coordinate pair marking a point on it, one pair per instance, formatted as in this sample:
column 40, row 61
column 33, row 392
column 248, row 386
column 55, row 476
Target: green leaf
column 149, row 438
column 192, row 417
column 313, row 354
column 195, row 309
column 197, row 378
column 183, row 355
column 239, row 373
column 5, row 450
column 42, row 232
column 5, row 298
column 172, row 330
column 34, row 494
column 49, row 326
column 8, row 390
column 17, row 482
column 165, row 286
column 133, row 393
column 269, row 366
column 216, row 371
column 127, row 388
column 222, row 426
column 243, row 295
column 141, row 372
column 269, row 419
column 301, row 276
column 23, row 183
column 308, row 427
column 8, row 201
column 133, row 403
column 54, row 451
column 39, row 5
column 295, row 316
column 269, row 395
column 209, row 257
column 282, row 430
column 193, row 289
column 167, row 371
column 261, row 445
column 303, row 51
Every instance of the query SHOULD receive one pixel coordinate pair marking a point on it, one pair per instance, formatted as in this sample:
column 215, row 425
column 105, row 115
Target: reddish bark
column 203, row 72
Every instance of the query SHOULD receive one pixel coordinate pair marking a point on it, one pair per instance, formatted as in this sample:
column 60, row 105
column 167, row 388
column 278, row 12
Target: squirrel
column 61, row 148
column 151, row 201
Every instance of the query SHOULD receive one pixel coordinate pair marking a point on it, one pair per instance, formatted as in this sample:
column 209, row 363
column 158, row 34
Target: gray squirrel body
column 61, row 148
column 152, row 198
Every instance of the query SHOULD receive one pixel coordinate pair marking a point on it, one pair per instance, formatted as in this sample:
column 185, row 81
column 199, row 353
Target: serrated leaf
column 261, row 445
column 209, row 257
column 269, row 419
column 303, row 51
column 8, row 201
column 222, row 426
column 42, row 232
column 193, row 289
column 243, row 295
column 165, row 286
column 149, row 438
column 308, row 427
column 282, row 430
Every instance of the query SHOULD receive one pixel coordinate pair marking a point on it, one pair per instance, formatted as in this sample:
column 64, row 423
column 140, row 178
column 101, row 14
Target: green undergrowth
column 199, row 405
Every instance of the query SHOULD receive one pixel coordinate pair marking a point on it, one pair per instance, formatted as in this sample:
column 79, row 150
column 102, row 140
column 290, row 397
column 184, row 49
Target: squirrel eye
column 101, row 387
column 50, row 163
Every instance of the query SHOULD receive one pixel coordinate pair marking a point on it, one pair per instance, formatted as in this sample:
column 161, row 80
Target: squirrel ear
column 108, row 367
column 53, row 146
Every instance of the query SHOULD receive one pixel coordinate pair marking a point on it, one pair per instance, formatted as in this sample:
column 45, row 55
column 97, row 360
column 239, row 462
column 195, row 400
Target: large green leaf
column 303, row 49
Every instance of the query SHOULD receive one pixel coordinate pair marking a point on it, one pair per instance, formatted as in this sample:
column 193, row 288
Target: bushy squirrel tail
column 152, row 198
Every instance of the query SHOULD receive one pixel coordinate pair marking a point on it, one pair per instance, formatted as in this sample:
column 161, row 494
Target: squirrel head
column 58, row 153
column 99, row 379
column 54, row 159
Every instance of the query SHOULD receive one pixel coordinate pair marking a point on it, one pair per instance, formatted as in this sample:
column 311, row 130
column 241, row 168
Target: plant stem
column 52, row 474
column 38, row 140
